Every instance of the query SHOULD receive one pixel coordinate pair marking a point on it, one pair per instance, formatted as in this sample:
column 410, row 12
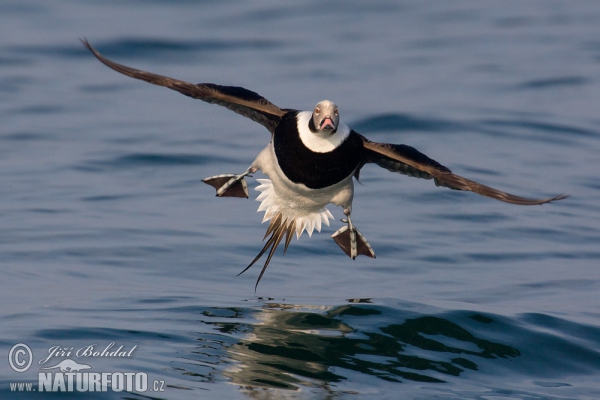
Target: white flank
column 306, row 218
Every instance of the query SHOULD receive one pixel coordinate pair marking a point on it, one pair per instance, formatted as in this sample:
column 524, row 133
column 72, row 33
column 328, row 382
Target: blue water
column 108, row 235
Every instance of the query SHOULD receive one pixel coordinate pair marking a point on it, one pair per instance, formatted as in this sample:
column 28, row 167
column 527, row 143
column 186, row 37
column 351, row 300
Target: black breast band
column 315, row 170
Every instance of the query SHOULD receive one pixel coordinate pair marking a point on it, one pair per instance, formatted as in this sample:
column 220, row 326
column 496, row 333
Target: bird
column 311, row 162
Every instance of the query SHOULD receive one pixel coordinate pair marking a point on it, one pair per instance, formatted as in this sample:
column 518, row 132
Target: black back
column 315, row 170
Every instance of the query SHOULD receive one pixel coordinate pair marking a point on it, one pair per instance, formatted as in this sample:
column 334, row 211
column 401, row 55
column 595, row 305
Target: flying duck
column 310, row 161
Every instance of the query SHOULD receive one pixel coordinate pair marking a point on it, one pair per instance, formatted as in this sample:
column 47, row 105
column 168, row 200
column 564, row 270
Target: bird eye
column 335, row 111
column 317, row 111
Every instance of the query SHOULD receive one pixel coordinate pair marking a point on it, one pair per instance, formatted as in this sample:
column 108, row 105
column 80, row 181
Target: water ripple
column 550, row 83
column 405, row 122
column 143, row 160
column 143, row 47
column 538, row 126
column 288, row 346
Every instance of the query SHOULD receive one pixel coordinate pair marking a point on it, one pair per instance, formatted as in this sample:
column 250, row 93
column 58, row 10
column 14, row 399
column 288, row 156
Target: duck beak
column 327, row 124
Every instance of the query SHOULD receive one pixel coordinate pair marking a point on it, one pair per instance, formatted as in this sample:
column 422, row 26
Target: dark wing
column 409, row 161
column 240, row 100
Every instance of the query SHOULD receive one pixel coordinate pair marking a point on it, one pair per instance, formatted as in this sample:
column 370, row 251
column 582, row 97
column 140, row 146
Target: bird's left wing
column 409, row 161
column 240, row 100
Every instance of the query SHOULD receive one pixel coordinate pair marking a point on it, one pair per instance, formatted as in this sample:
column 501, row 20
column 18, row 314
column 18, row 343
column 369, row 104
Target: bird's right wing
column 237, row 99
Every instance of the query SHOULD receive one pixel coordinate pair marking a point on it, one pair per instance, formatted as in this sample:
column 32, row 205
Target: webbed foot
column 229, row 185
column 352, row 241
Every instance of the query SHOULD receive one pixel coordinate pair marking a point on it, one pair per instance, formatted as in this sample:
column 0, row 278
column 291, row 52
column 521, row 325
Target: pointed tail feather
column 277, row 229
column 289, row 233
column 277, row 236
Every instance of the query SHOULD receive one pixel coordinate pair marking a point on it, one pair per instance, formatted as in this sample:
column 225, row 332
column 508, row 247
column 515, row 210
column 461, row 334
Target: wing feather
column 242, row 101
column 409, row 161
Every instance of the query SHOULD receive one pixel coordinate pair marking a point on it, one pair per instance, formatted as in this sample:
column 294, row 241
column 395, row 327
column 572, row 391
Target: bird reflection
column 283, row 346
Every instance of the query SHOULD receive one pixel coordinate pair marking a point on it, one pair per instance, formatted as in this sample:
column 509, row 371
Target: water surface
column 107, row 233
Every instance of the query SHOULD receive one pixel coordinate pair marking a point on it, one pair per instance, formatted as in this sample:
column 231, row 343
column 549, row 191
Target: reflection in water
column 286, row 346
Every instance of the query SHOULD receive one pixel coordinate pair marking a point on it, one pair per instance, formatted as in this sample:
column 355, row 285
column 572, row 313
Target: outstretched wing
column 240, row 100
column 409, row 161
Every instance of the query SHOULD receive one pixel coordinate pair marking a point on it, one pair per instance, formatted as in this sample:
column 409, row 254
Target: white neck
column 320, row 142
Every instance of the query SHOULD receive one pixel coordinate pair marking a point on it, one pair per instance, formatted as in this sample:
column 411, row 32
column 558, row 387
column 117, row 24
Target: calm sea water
column 108, row 235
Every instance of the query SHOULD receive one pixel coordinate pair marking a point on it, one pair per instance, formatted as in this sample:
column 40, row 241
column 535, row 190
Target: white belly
column 296, row 202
